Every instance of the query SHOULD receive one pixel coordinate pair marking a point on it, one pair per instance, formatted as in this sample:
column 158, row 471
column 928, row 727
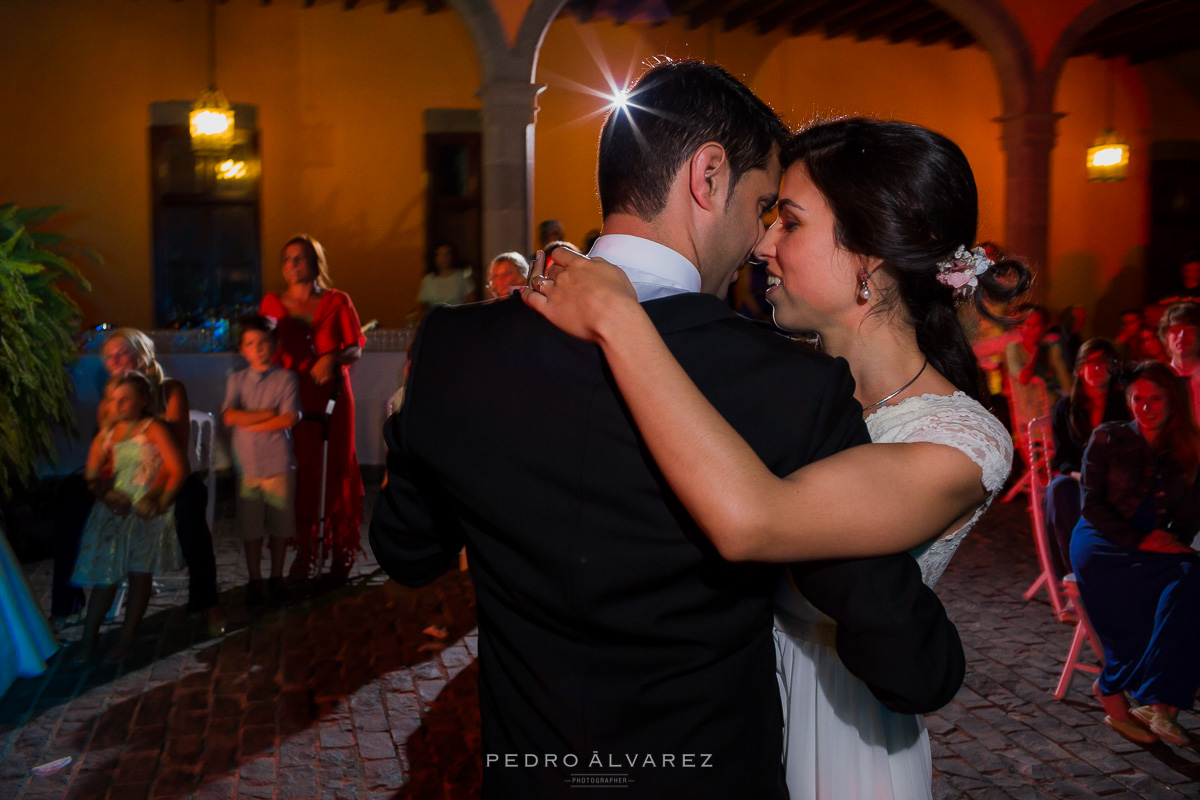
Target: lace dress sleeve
column 955, row 421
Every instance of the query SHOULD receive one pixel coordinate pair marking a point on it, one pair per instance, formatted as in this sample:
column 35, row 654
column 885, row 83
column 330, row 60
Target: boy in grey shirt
column 262, row 403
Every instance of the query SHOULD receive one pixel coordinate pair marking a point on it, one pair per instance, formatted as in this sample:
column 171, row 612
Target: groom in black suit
column 616, row 648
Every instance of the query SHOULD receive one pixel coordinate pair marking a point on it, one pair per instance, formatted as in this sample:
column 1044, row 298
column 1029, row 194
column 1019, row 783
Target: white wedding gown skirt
column 839, row 741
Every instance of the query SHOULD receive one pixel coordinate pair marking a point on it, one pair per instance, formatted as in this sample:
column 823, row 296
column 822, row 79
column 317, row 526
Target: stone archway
column 509, row 97
column 1029, row 121
column 509, row 94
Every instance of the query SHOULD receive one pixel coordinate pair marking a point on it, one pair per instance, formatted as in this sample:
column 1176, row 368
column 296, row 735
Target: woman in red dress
column 319, row 336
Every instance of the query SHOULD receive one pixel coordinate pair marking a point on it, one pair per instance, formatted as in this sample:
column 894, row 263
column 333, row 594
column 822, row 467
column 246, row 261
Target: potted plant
column 38, row 321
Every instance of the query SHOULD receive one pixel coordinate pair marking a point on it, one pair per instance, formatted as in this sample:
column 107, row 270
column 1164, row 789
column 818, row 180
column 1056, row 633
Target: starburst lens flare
column 620, row 99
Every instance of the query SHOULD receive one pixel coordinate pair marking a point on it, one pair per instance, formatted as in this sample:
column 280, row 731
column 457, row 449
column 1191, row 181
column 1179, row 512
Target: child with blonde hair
column 135, row 469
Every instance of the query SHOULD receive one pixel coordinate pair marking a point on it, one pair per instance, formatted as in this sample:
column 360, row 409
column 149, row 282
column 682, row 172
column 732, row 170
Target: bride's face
column 815, row 280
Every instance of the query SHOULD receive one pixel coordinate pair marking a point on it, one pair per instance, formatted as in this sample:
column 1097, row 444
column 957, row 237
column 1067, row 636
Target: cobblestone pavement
column 346, row 695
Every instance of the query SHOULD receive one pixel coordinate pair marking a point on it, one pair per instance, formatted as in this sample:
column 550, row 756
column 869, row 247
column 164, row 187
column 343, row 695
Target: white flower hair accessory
column 961, row 270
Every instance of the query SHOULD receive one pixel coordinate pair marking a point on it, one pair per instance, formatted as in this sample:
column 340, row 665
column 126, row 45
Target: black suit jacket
column 613, row 639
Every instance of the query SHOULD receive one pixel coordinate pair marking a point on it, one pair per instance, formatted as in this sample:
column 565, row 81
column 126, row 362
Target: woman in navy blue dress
column 1138, row 577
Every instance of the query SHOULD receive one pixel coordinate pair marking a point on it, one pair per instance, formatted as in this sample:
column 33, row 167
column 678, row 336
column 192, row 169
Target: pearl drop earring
column 864, row 290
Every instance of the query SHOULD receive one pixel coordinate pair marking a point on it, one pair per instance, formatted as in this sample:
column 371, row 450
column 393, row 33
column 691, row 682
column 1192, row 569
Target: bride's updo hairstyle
column 906, row 195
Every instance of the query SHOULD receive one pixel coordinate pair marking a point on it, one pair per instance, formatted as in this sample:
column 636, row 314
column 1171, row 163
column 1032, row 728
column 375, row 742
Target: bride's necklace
column 898, row 391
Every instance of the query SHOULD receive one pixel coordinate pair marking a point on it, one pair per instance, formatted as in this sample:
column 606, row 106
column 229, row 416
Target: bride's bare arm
column 869, row 500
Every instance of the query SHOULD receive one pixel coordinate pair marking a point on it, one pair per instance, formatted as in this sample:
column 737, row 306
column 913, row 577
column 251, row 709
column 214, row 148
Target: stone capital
column 1036, row 129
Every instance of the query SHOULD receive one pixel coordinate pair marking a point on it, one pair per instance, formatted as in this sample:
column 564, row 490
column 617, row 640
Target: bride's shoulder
column 956, row 420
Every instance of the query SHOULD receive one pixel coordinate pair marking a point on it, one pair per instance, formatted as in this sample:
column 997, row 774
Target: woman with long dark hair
column 1139, row 579
column 874, row 249
column 1095, row 397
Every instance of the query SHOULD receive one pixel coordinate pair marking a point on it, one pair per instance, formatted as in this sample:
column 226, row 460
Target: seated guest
column 989, row 343
column 1095, row 398
column 1037, row 354
column 1179, row 330
column 1138, row 578
column 447, row 283
column 1129, row 337
column 126, row 350
column 506, row 272
column 1070, row 328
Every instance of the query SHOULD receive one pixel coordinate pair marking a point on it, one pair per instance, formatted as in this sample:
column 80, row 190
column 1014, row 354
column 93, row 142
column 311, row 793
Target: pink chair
column 1039, row 449
column 1026, row 402
column 1083, row 630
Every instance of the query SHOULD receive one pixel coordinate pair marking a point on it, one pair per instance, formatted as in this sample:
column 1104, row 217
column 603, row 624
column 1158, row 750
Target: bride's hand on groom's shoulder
column 580, row 295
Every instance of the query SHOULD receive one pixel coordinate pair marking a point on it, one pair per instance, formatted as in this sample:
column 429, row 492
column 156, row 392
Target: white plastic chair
column 202, row 456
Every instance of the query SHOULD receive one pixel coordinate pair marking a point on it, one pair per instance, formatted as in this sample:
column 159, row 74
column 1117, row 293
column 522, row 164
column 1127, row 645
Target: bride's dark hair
column 906, row 195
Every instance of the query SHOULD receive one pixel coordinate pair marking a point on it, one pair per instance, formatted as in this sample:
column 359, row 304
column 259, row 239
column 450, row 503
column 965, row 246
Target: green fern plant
column 37, row 322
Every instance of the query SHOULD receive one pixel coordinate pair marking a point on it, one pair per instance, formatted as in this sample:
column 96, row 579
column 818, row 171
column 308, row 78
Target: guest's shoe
column 330, row 582
column 214, row 620
column 1131, row 730
column 118, row 653
column 278, row 588
column 1162, row 724
column 82, row 655
column 256, row 593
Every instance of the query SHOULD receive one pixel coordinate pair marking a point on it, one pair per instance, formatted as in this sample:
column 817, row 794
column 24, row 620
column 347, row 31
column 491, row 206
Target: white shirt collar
column 654, row 269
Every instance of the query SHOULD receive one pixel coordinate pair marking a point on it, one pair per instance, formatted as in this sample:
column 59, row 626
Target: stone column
column 1028, row 139
column 509, row 110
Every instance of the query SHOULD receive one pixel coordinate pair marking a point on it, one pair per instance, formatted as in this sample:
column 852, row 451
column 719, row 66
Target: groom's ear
column 708, row 176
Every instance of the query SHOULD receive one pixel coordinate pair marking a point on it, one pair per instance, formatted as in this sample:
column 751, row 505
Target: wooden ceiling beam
column 1179, row 27
column 962, row 39
column 801, row 17
column 854, row 15
column 1181, row 45
column 940, row 33
column 392, row 5
column 707, row 12
column 349, row 4
column 750, row 11
column 1122, row 25
column 679, row 8
column 885, row 22
column 902, row 33
column 584, row 10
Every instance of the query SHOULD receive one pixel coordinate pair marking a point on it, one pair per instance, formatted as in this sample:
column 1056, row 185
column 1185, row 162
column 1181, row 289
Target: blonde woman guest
column 130, row 350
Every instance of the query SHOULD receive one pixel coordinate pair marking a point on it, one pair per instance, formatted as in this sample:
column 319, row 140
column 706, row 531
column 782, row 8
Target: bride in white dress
column 874, row 249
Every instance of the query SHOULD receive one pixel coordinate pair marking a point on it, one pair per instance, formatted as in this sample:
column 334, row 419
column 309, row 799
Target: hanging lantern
column 211, row 124
column 211, row 119
column 1108, row 158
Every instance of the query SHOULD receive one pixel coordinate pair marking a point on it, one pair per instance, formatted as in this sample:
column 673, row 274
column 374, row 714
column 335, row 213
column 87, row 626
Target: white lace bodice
column 954, row 420
column 959, row 422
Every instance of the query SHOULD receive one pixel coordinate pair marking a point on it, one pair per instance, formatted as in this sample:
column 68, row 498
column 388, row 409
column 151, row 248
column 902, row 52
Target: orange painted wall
column 954, row 92
column 340, row 97
column 1098, row 231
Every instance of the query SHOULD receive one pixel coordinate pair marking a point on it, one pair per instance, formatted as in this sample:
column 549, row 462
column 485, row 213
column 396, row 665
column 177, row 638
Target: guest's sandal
column 1131, row 730
column 1161, row 724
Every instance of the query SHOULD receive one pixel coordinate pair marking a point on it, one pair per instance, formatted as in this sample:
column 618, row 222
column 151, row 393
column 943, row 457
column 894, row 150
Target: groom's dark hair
column 674, row 108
